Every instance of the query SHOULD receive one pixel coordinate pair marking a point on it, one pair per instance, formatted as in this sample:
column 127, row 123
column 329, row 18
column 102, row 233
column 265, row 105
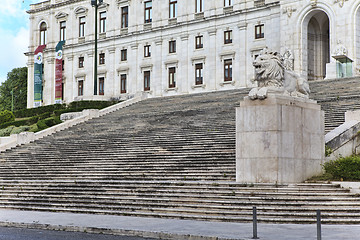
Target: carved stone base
column 279, row 140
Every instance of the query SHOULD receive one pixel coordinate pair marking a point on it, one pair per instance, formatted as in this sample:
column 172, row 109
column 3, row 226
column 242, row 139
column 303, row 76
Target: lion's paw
column 262, row 93
column 253, row 94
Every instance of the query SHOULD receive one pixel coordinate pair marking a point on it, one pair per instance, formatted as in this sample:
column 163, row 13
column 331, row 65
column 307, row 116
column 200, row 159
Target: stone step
column 170, row 157
column 311, row 218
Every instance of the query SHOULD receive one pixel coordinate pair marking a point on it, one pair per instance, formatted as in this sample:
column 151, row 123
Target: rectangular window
column 62, row 91
column 43, row 33
column 81, row 88
column 123, row 83
column 124, row 17
column 148, row 12
column 199, row 6
column 102, row 58
column 82, row 27
column 259, row 31
column 62, row 30
column 172, row 46
column 198, row 74
column 81, row 62
column 227, row 3
column 147, row 81
column 199, row 42
column 172, row 77
column 101, row 85
column 228, row 70
column 173, row 8
column 124, row 55
column 63, row 65
column 228, row 37
column 147, row 51
column 102, row 22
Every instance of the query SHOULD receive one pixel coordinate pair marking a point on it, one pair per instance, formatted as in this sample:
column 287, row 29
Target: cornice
column 50, row 6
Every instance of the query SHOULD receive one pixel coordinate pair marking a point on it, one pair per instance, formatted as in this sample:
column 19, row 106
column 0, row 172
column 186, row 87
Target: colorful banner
column 58, row 72
column 38, row 70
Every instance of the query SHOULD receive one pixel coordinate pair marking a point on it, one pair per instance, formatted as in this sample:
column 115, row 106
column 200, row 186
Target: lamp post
column 96, row 4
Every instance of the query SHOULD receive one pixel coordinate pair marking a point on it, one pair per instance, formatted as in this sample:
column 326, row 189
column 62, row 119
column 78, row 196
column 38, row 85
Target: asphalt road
column 35, row 234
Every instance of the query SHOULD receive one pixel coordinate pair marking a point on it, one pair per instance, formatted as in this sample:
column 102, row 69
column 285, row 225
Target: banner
column 58, row 72
column 38, row 70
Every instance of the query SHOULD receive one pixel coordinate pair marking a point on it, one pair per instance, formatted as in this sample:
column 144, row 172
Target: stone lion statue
column 273, row 76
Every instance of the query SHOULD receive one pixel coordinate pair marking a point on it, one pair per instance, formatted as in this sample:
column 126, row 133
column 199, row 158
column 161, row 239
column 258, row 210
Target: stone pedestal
column 279, row 140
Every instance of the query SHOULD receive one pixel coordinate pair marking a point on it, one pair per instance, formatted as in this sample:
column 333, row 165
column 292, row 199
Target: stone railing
column 27, row 137
column 345, row 139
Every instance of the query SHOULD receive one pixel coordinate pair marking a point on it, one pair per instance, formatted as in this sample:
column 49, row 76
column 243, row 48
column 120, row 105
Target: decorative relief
column 81, row 11
column 313, row 3
column 341, row 2
column 340, row 49
column 289, row 11
column 61, row 16
column 288, row 59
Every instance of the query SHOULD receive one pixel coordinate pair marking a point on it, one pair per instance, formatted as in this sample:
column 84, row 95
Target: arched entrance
column 318, row 45
column 357, row 38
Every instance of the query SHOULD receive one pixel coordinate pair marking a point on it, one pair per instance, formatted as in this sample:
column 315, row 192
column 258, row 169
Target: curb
column 117, row 232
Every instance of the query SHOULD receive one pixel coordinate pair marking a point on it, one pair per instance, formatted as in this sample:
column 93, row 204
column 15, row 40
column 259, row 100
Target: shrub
column 61, row 111
column 34, row 128
column 39, row 110
column 345, row 168
column 19, row 123
column 6, row 131
column 81, row 105
column 48, row 122
column 6, row 116
column 57, row 120
column 41, row 125
column 44, row 115
column 33, row 120
column 17, row 130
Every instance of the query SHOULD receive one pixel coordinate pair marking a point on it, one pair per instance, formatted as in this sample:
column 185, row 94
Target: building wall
column 284, row 23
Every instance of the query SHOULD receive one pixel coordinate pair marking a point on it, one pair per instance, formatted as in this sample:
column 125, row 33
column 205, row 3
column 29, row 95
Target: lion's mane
column 269, row 69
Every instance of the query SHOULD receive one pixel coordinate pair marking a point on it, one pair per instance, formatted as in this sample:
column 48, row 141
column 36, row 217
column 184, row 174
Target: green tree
column 14, row 89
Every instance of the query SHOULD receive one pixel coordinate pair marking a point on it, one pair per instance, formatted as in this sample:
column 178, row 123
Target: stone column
column 279, row 140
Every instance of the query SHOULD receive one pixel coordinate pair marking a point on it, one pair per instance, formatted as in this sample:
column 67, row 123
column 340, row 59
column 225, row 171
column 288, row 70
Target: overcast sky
column 14, row 34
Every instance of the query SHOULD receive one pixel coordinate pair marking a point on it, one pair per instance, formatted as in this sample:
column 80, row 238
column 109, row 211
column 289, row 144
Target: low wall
column 27, row 137
column 345, row 139
column 354, row 187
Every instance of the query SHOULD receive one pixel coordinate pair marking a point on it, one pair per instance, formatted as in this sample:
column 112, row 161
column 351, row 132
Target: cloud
column 13, row 47
column 14, row 34
column 10, row 8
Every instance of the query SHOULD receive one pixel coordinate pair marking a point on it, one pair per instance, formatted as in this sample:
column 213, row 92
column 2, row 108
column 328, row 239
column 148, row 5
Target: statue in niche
column 273, row 73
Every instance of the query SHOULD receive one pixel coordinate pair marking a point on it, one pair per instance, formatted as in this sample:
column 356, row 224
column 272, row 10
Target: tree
column 14, row 90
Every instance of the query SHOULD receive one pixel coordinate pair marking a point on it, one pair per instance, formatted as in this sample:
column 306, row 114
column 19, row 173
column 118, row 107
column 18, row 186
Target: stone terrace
column 168, row 157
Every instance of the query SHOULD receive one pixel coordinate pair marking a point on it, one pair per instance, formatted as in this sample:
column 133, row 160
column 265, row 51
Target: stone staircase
column 336, row 96
column 170, row 157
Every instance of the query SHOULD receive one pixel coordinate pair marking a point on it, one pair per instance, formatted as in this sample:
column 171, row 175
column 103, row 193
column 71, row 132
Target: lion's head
column 269, row 69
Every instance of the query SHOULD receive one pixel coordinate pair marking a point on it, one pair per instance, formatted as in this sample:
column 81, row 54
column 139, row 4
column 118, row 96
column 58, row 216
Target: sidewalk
column 170, row 228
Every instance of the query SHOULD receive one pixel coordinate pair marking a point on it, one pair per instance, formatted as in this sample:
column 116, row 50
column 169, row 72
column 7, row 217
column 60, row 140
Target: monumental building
column 169, row 47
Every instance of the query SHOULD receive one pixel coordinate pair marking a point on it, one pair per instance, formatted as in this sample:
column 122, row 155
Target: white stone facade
column 286, row 24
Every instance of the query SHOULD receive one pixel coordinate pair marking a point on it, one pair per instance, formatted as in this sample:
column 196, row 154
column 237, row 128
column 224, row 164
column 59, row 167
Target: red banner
column 59, row 73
